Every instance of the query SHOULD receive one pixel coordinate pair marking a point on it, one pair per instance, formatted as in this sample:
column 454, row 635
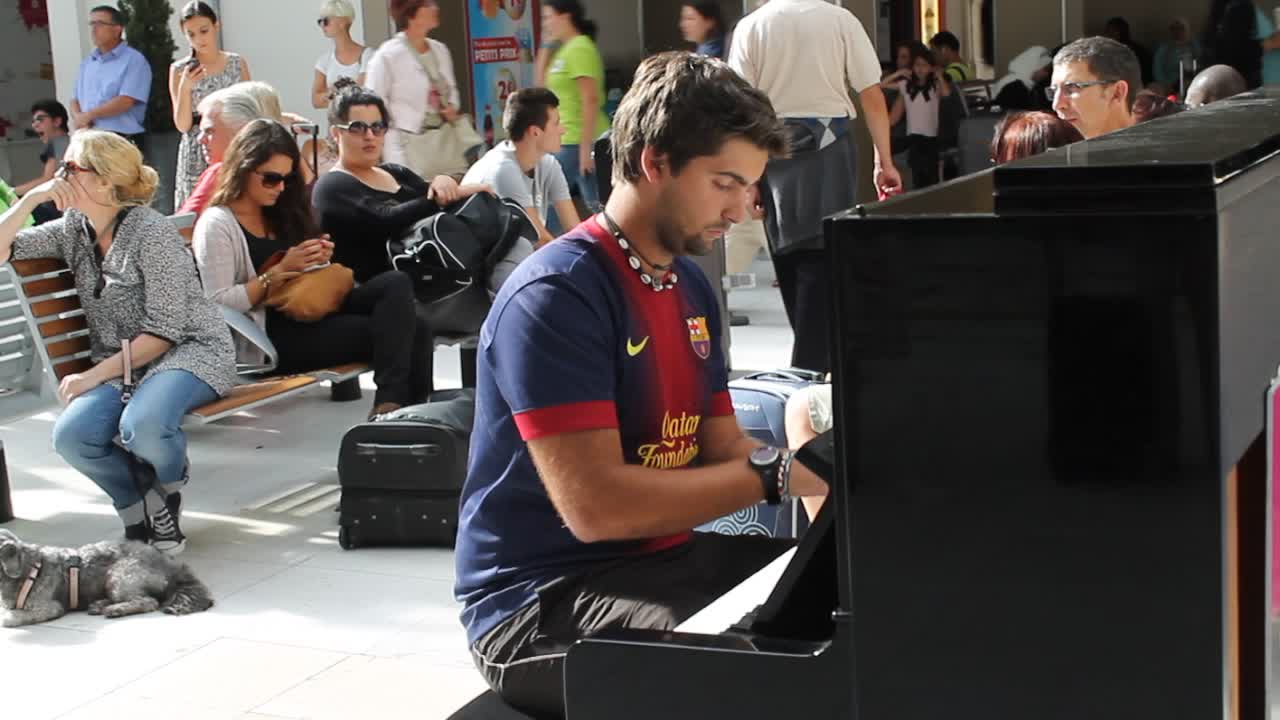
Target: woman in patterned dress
column 190, row 80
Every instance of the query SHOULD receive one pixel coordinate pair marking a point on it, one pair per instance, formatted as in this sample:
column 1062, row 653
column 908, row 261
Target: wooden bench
column 45, row 290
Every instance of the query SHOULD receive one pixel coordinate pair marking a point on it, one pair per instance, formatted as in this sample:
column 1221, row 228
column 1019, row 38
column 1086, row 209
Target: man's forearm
column 876, row 115
column 112, row 107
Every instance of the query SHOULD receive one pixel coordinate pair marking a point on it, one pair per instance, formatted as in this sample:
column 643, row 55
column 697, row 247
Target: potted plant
column 147, row 31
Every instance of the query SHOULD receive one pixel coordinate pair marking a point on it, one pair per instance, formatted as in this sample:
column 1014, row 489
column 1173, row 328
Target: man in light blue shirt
column 114, row 83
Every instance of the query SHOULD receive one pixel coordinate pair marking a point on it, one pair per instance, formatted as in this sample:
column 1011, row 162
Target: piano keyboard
column 725, row 611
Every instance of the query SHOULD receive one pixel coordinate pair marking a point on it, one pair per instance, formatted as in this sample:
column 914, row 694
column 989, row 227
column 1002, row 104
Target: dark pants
column 802, row 279
column 377, row 324
column 523, row 658
column 922, row 156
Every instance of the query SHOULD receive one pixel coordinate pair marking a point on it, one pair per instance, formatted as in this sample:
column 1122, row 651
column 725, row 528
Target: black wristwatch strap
column 772, row 486
column 776, row 479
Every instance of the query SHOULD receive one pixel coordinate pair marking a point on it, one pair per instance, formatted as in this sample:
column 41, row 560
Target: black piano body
column 1051, row 496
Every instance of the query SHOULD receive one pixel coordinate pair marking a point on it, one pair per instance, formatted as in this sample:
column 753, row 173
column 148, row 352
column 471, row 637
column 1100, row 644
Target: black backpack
column 457, row 249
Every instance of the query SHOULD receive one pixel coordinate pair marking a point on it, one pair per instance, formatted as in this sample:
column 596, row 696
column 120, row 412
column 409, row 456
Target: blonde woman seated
column 137, row 286
column 260, row 209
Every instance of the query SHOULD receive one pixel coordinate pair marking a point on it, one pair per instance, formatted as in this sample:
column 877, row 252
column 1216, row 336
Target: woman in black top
column 363, row 204
column 260, row 209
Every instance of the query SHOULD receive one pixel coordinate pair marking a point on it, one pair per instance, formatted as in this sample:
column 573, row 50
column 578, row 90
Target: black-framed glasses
column 70, row 167
column 359, row 128
column 275, row 179
column 1072, row 89
column 103, row 23
column 38, row 117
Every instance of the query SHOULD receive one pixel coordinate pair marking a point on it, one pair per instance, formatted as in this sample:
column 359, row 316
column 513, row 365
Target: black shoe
column 138, row 531
column 174, row 504
column 166, row 536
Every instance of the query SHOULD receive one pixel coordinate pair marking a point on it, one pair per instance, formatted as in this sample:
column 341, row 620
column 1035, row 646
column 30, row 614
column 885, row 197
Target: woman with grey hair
column 222, row 114
column 347, row 59
column 158, row 347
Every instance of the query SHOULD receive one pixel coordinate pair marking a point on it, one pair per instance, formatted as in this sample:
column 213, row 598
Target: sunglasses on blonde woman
column 69, row 168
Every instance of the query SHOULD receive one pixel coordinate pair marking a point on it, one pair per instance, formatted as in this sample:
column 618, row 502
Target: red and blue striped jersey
column 576, row 341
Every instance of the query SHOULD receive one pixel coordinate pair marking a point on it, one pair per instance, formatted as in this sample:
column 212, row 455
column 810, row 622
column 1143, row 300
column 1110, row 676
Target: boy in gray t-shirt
column 523, row 167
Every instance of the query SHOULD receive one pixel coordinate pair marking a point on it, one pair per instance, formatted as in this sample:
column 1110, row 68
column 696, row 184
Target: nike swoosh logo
column 633, row 349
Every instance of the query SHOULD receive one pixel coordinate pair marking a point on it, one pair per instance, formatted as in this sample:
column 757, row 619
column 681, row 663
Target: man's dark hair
column 947, row 40
column 53, row 109
column 347, row 97
column 1107, row 59
column 687, row 106
column 526, row 108
column 117, row 17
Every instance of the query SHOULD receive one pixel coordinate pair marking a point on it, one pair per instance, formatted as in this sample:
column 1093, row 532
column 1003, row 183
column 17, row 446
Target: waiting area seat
column 45, row 290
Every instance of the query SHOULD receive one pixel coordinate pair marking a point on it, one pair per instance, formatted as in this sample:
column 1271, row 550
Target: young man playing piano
column 604, row 430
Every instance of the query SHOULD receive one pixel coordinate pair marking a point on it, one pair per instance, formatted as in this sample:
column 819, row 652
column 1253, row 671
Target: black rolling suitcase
column 402, row 473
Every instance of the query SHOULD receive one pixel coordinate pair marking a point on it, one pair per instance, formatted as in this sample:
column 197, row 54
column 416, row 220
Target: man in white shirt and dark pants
column 806, row 55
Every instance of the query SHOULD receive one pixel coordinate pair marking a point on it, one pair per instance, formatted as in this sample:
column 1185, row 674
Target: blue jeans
column 150, row 431
column 586, row 184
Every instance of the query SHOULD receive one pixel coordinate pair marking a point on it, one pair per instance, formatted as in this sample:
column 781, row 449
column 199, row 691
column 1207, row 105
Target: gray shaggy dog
column 114, row 579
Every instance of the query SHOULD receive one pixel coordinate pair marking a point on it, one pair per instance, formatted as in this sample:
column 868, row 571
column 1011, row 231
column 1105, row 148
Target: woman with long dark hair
column 575, row 73
column 259, row 211
column 207, row 69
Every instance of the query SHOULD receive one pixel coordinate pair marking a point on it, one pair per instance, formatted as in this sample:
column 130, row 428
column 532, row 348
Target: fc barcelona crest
column 699, row 337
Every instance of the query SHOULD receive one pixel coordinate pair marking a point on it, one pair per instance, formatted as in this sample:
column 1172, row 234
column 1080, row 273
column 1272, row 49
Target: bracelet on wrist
column 784, row 476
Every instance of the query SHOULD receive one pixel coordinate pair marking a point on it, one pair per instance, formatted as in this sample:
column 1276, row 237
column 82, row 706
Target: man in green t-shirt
column 946, row 46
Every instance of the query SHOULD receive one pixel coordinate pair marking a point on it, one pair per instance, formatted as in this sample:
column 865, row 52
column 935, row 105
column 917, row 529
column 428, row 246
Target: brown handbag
column 312, row 295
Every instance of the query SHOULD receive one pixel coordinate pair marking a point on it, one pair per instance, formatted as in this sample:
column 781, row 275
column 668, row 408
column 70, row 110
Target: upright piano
column 1050, row 488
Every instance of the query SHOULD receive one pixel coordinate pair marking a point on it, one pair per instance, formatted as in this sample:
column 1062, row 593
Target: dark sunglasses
column 39, row 117
column 273, row 179
column 69, row 168
column 359, row 128
column 323, row 22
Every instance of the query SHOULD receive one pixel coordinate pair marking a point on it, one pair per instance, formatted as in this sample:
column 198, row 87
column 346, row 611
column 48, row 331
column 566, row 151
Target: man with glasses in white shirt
column 1095, row 82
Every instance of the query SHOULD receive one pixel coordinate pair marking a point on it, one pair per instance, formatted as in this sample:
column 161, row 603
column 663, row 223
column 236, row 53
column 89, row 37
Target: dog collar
column 30, row 582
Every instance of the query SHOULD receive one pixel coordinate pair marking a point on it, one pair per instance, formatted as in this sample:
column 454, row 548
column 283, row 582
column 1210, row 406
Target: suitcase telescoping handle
column 798, row 376
column 420, row 450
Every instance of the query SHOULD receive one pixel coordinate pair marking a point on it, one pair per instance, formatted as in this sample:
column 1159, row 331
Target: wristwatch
column 770, row 464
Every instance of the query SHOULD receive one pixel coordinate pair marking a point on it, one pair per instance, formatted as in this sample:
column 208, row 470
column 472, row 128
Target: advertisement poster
column 502, row 50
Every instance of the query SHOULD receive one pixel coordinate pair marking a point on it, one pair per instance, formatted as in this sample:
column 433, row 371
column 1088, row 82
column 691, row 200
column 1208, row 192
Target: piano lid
column 1195, row 148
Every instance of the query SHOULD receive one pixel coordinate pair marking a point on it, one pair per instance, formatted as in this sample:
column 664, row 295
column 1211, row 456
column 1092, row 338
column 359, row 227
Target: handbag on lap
column 312, row 295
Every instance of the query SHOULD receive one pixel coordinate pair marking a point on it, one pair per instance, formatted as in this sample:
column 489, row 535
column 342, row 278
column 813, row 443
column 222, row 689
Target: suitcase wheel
column 345, row 541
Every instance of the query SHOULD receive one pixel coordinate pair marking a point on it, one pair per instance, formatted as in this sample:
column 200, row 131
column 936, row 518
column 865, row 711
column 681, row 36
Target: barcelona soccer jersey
column 576, row 341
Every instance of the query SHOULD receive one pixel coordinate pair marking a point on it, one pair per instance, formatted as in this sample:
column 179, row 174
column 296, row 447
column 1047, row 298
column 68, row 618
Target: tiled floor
column 301, row 628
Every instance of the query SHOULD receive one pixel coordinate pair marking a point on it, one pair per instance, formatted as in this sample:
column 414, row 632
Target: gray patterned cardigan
column 151, row 287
